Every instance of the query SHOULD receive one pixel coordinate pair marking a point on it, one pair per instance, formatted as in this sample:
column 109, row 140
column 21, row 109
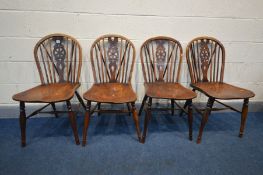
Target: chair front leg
column 72, row 119
column 146, row 120
column 54, row 109
column 136, row 121
column 190, row 119
column 22, row 121
column 205, row 118
column 142, row 105
column 86, row 123
column 243, row 117
column 172, row 105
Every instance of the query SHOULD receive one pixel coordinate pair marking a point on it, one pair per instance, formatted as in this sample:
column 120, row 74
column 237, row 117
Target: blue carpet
column 113, row 148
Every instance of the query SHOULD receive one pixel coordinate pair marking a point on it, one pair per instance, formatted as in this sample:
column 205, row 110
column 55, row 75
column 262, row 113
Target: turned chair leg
column 146, row 120
column 22, row 121
column 142, row 105
column 80, row 100
column 129, row 109
column 72, row 119
column 136, row 121
column 205, row 118
column 243, row 117
column 190, row 119
column 172, row 105
column 54, row 109
column 86, row 123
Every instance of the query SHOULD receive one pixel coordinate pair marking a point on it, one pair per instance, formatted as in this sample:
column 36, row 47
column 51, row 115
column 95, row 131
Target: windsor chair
column 58, row 58
column 206, row 62
column 112, row 59
column 161, row 59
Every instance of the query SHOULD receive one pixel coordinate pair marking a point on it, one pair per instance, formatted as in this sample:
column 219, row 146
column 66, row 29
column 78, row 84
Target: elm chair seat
column 168, row 91
column 222, row 91
column 48, row 93
column 111, row 93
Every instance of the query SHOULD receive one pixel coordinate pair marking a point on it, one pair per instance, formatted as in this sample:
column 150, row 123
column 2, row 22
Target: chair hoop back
column 112, row 59
column 206, row 59
column 161, row 59
column 58, row 58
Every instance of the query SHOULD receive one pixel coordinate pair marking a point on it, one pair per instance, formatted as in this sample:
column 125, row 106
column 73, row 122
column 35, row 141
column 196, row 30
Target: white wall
column 238, row 24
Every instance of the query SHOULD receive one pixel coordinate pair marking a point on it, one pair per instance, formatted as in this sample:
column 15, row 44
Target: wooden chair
column 58, row 58
column 206, row 62
column 161, row 59
column 112, row 59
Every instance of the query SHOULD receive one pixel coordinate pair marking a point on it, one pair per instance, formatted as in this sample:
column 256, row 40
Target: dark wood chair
column 112, row 58
column 58, row 58
column 206, row 62
column 161, row 59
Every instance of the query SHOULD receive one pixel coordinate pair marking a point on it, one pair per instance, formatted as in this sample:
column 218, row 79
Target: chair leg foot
column 72, row 119
column 86, row 124
column 243, row 117
column 22, row 121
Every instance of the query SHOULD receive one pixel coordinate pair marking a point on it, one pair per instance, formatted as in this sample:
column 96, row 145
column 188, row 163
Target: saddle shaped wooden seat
column 111, row 93
column 112, row 59
column 161, row 59
column 58, row 58
column 206, row 62
column 223, row 91
column 48, row 93
column 168, row 91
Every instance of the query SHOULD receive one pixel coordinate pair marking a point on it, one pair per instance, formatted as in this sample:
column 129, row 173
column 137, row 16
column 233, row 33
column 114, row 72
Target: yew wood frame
column 50, row 75
column 216, row 75
column 103, row 75
column 149, row 73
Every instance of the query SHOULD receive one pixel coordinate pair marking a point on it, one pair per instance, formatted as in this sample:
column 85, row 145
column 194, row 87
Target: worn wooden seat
column 222, row 91
column 58, row 58
column 168, row 91
column 112, row 59
column 48, row 93
column 161, row 59
column 110, row 93
column 206, row 62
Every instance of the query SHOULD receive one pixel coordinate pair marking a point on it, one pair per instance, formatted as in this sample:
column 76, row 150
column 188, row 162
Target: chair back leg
column 172, row 105
column 22, row 121
column 142, row 105
column 54, row 109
